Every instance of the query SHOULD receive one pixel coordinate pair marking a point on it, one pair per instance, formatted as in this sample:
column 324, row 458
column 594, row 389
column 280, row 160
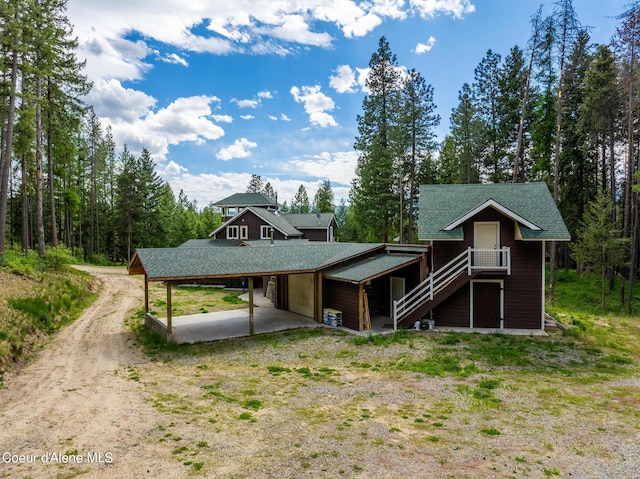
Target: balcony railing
column 489, row 259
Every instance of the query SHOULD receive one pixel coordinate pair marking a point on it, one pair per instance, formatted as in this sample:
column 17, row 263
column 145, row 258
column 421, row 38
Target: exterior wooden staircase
column 441, row 284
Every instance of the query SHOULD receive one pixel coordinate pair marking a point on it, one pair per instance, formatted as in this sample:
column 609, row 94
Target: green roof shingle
column 232, row 261
column 441, row 205
column 370, row 268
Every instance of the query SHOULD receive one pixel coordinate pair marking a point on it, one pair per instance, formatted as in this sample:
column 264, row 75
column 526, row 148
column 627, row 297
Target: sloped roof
column 370, row 268
column 246, row 199
column 272, row 219
column 442, row 208
column 309, row 220
column 200, row 263
column 208, row 243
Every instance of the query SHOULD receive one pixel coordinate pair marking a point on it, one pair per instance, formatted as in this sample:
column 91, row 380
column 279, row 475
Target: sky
column 218, row 90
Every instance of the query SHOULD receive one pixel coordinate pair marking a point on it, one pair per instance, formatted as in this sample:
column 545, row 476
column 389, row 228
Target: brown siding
column 314, row 234
column 454, row 312
column 522, row 289
column 343, row 297
column 254, row 223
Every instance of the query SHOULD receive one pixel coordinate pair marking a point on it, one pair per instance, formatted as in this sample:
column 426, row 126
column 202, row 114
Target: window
column 244, row 232
column 231, row 211
column 265, row 232
column 232, row 232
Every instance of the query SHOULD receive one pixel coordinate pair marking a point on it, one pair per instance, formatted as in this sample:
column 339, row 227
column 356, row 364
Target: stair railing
column 428, row 288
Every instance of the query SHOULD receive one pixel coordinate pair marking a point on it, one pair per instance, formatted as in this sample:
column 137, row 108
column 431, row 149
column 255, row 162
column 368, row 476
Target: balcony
column 489, row 260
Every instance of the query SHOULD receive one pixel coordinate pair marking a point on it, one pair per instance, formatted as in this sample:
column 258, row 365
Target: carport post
column 146, row 293
column 251, row 305
column 169, row 308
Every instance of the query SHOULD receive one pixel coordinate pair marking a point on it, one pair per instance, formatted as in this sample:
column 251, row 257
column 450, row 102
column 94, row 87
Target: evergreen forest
column 560, row 110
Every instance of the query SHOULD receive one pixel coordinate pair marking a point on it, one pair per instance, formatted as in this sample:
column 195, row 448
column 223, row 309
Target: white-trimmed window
column 232, row 232
column 244, row 232
column 232, row 211
column 265, row 232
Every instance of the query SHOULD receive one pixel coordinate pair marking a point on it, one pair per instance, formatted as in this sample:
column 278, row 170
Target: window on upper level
column 265, row 232
column 232, row 232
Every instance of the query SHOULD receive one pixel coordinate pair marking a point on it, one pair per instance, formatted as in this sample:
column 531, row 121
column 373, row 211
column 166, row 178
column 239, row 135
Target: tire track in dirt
column 77, row 395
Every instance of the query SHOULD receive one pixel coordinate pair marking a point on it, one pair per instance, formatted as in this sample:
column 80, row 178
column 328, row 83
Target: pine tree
column 415, row 141
column 372, row 191
column 599, row 113
column 10, row 13
column 269, row 192
column 511, row 96
column 577, row 171
column 598, row 246
column 466, row 130
column 324, row 199
column 255, row 184
column 300, row 202
column 485, row 96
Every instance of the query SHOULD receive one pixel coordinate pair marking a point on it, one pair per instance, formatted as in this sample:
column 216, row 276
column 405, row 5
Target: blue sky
column 218, row 90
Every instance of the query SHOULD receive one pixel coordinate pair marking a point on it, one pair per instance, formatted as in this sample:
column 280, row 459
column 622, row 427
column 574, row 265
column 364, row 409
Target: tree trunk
column 5, row 157
column 39, row 173
column 51, row 177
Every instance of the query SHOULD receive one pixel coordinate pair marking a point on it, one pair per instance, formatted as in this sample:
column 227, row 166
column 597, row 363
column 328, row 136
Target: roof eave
column 497, row 206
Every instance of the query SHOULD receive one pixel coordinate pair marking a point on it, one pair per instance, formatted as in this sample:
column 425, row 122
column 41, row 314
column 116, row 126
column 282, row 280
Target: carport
column 298, row 269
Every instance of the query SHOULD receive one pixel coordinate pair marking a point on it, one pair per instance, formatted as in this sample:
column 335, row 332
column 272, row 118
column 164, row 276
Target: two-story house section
column 254, row 216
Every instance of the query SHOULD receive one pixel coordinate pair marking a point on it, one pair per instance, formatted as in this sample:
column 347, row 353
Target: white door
column 397, row 291
column 486, row 237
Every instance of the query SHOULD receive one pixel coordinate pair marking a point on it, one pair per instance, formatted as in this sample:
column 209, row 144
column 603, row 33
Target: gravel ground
column 306, row 404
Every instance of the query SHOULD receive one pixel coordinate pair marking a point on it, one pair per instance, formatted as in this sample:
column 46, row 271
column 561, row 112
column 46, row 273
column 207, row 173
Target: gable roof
column 443, row 209
column 272, row 219
column 161, row 264
column 309, row 221
column 246, row 199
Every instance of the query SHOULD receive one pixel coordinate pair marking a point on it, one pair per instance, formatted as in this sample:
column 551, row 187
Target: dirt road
column 76, row 409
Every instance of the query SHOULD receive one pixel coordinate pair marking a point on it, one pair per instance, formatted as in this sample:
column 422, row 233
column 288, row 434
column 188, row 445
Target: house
column 487, row 255
column 254, row 216
column 305, row 277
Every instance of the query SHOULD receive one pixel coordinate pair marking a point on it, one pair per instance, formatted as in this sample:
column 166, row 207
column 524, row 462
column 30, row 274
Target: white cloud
column 425, row 47
column 265, row 94
column 209, row 188
column 363, row 25
column 222, row 118
column 175, row 59
column 431, row 8
column 173, row 168
column 239, row 149
column 338, row 167
column 315, row 104
column 284, row 117
column 344, row 80
column 247, row 117
column 241, row 26
column 118, row 104
column 246, row 103
column 273, row 118
column 136, row 123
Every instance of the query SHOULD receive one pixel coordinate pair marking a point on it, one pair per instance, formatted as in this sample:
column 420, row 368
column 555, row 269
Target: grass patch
column 38, row 297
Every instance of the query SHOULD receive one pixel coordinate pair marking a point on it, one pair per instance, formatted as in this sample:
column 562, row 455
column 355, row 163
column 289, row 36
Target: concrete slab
column 205, row 327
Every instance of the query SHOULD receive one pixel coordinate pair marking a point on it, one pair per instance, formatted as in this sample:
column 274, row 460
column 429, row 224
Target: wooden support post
column 360, row 307
column 169, row 326
column 366, row 317
column 146, row 293
column 251, row 305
